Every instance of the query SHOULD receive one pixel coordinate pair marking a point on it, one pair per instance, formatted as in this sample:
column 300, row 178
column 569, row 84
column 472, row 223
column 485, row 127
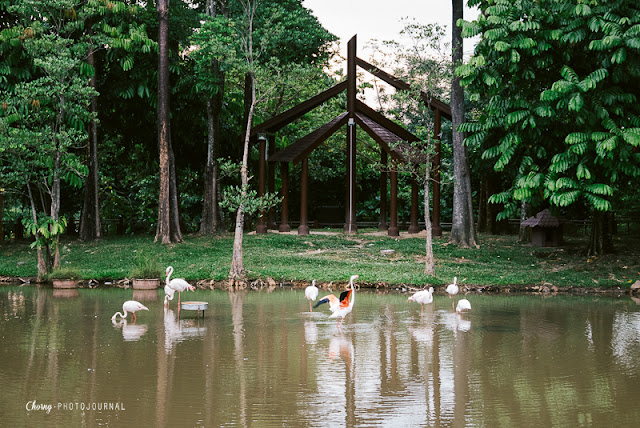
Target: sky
column 377, row 19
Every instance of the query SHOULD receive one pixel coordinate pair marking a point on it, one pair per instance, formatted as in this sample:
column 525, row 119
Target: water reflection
column 65, row 293
column 176, row 330
column 254, row 360
column 130, row 332
column 145, row 295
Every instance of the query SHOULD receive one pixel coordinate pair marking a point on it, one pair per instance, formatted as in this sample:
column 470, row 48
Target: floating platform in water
column 194, row 306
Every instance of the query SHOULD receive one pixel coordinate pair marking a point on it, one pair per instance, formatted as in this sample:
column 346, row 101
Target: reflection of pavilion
column 383, row 131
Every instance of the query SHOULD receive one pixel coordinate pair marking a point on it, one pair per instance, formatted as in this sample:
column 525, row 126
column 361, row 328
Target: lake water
column 261, row 359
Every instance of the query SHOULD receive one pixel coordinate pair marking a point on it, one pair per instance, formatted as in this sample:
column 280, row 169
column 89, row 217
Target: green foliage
column 558, row 82
column 46, row 231
column 146, row 265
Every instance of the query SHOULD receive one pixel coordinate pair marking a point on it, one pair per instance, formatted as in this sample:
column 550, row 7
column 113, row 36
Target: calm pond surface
column 261, row 359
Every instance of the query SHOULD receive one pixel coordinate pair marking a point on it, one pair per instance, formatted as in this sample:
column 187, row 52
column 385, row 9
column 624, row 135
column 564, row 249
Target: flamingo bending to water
column 311, row 293
column 176, row 284
column 423, row 297
column 343, row 305
column 130, row 306
column 169, row 293
column 463, row 305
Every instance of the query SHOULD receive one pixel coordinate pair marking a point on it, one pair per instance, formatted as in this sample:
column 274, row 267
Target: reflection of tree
column 237, row 319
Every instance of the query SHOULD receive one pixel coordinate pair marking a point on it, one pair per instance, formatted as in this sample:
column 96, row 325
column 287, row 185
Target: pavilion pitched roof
column 298, row 150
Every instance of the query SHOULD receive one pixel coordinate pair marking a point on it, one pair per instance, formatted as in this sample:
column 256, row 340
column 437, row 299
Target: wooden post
column 383, row 225
column 284, row 214
column 436, row 229
column 304, row 228
column 271, row 216
column 393, row 215
column 413, row 227
column 261, row 228
column 350, row 205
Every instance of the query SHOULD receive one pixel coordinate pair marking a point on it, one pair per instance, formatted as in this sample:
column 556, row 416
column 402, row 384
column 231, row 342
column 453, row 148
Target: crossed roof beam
column 383, row 130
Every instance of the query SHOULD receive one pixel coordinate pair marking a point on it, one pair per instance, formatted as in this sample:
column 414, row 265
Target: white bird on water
column 176, row 284
column 311, row 293
column 169, row 293
column 452, row 289
column 343, row 305
column 463, row 305
column 423, row 297
column 130, row 306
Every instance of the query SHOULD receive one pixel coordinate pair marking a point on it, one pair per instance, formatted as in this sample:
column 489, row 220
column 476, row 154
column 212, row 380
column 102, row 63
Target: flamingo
column 311, row 293
column 343, row 305
column 423, row 297
column 452, row 289
column 463, row 305
column 177, row 284
column 130, row 306
column 169, row 293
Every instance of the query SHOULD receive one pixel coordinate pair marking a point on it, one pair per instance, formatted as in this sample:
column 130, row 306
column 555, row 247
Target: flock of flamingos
column 339, row 306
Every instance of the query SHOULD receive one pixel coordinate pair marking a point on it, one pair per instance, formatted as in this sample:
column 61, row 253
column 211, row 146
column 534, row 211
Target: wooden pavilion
column 383, row 131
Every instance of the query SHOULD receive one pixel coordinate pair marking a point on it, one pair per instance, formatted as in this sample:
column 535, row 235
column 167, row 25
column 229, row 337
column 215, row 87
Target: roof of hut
column 543, row 219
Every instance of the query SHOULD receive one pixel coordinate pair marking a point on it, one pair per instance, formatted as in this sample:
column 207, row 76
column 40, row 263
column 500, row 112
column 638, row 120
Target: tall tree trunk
column 429, row 265
column 43, row 266
column 462, row 228
column 168, row 228
column 600, row 241
column 210, row 209
column 90, row 221
column 523, row 235
column 237, row 274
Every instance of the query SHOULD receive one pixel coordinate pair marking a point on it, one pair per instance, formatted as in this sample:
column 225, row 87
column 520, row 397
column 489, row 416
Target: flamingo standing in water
column 343, row 305
column 463, row 305
column 177, row 284
column 423, row 297
column 130, row 306
column 169, row 293
column 452, row 289
column 311, row 293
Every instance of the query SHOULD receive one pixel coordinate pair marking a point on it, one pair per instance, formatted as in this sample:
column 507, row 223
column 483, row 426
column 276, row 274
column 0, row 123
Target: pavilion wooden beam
column 284, row 118
column 432, row 102
column 303, row 147
column 383, row 75
column 382, row 142
column 436, row 105
column 386, row 123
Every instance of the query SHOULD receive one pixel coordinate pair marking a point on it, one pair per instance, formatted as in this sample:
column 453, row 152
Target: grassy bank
column 500, row 260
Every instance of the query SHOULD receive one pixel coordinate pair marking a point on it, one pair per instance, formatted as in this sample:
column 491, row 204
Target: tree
column 168, row 229
column 214, row 41
column 420, row 63
column 463, row 224
column 111, row 26
column 45, row 114
column 560, row 84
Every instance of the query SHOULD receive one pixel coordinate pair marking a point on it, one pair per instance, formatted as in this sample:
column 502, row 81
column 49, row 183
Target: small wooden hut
column 546, row 229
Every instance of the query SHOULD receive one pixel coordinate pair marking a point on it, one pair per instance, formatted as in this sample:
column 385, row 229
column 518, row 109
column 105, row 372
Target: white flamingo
column 463, row 305
column 343, row 305
column 169, row 293
column 177, row 284
column 423, row 297
column 311, row 293
column 452, row 289
column 130, row 306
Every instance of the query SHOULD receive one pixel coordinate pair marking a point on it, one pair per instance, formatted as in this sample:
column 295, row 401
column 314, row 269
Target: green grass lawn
column 500, row 260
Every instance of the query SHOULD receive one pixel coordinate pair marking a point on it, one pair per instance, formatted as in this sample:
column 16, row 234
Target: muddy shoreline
column 269, row 285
